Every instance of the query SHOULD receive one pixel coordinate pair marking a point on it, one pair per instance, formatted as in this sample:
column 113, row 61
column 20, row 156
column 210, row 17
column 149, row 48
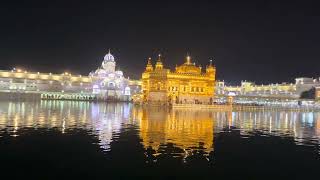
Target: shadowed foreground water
column 61, row 139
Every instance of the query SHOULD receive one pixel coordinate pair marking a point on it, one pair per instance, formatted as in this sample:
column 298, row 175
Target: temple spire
column 149, row 66
column 149, row 61
column 159, row 57
column 159, row 64
column 188, row 60
column 210, row 70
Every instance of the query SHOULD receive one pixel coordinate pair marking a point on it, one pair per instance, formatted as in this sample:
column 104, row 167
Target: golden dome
column 188, row 67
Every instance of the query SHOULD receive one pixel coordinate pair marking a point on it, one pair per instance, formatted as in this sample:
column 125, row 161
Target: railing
column 203, row 106
column 247, row 107
column 275, row 108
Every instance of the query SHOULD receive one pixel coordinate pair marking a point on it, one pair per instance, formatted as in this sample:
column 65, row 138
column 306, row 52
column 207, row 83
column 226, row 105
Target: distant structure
column 271, row 92
column 104, row 84
column 188, row 84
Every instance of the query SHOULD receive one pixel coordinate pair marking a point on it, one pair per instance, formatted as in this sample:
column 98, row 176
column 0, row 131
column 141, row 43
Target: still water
column 61, row 139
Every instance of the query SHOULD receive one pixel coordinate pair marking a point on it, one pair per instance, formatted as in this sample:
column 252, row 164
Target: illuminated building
column 105, row 83
column 109, row 83
column 187, row 84
column 283, row 91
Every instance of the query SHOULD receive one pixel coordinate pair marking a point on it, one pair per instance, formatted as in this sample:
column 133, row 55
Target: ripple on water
column 158, row 136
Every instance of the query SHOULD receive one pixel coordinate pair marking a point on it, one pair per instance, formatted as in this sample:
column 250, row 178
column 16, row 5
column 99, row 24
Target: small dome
column 188, row 67
column 91, row 73
column 108, row 57
column 100, row 71
column 119, row 73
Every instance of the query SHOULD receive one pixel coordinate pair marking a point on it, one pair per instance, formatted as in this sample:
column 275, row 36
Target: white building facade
column 109, row 83
column 104, row 84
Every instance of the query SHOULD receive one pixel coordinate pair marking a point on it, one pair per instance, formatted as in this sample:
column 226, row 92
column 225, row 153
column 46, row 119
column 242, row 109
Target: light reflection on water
column 177, row 133
column 99, row 119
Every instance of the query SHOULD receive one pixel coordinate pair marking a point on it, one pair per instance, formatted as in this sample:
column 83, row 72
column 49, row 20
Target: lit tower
column 188, row 60
column 149, row 66
column 211, row 73
column 211, row 70
column 159, row 65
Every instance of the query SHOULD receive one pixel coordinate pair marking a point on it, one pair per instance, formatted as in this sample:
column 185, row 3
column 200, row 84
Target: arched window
column 95, row 89
column 111, row 84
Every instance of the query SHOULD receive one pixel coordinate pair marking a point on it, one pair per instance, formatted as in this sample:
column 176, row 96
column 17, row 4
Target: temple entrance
column 177, row 100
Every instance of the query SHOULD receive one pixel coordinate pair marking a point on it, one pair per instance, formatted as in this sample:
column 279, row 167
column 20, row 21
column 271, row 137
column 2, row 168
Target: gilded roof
column 188, row 67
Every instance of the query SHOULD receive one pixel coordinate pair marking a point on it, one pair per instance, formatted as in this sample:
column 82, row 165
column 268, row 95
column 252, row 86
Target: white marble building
column 108, row 82
column 104, row 84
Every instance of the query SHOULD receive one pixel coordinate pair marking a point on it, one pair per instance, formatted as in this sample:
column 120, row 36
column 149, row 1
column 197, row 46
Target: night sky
column 260, row 41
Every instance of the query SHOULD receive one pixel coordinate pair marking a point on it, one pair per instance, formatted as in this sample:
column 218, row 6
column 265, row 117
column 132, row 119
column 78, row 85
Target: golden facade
column 188, row 84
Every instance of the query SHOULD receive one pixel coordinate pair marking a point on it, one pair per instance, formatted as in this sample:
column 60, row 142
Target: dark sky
column 261, row 41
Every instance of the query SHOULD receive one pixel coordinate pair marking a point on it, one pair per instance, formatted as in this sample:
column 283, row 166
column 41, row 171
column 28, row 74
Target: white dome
column 108, row 57
column 100, row 71
column 119, row 73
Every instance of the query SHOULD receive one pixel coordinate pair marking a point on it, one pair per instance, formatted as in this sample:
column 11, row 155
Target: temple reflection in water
column 185, row 131
column 103, row 120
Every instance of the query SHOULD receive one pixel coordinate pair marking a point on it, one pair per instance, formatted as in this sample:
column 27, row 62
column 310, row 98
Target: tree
column 310, row 94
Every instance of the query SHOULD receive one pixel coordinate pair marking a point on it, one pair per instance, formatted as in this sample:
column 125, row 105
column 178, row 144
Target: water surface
column 62, row 139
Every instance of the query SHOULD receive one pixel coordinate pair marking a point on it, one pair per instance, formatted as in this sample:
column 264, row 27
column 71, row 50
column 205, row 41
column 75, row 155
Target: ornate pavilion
column 188, row 84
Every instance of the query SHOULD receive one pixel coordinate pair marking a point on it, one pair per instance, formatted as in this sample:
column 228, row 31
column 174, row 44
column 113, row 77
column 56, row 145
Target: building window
column 95, row 89
column 127, row 91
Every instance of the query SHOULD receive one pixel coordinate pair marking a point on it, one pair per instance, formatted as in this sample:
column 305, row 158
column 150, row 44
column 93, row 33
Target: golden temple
column 188, row 84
